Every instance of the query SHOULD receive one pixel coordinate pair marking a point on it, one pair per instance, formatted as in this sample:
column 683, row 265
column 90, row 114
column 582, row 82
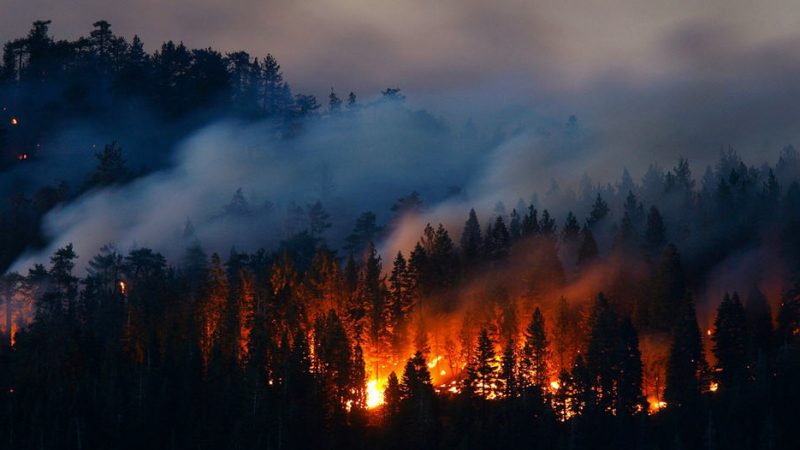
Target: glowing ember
column 374, row 395
column 708, row 332
column 555, row 385
column 713, row 386
column 123, row 289
column 14, row 121
column 442, row 373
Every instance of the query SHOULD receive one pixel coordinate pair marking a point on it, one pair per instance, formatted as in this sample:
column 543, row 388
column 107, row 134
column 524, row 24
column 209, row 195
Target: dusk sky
column 426, row 46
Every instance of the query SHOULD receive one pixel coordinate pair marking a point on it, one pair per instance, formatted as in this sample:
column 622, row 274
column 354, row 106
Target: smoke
column 354, row 162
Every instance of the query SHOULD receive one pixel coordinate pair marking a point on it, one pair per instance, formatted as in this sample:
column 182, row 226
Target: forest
column 658, row 313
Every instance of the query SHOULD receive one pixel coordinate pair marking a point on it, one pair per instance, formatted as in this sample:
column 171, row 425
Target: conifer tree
column 655, row 232
column 685, row 363
column 599, row 211
column 629, row 399
column 535, row 354
column 482, row 372
column 730, row 341
column 471, row 240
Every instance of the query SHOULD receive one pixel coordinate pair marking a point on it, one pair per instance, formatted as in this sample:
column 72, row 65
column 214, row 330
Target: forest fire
column 656, row 405
column 374, row 395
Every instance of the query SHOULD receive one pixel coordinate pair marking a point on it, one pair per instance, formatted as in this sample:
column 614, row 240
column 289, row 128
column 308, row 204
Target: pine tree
column 471, row 241
column 373, row 291
column 634, row 209
column 317, row 219
column 629, row 387
column 358, row 381
column 401, row 301
column 685, row 363
column 547, row 225
column 365, row 231
column 625, row 238
column 730, row 341
column 602, row 352
column 655, row 232
column 419, row 404
column 530, row 223
column 508, row 371
column 110, row 168
column 392, row 397
column 514, row 225
column 497, row 242
column 599, row 211
column 482, row 371
column 535, row 354
column 571, row 230
column 334, row 102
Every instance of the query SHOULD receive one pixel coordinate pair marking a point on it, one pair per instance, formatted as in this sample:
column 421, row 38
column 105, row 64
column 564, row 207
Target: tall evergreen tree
column 730, row 341
column 471, row 240
column 535, row 354
column 685, row 363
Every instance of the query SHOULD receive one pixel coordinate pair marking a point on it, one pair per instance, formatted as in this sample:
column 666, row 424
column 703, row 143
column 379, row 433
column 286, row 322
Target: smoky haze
column 647, row 83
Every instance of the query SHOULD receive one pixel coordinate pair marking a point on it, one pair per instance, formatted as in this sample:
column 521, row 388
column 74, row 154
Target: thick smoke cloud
column 352, row 162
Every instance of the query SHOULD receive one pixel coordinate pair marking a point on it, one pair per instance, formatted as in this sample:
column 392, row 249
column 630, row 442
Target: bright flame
column 555, row 385
column 13, row 334
column 123, row 288
column 374, row 395
column 14, row 121
column 435, row 361
column 713, row 386
column 708, row 332
column 656, row 406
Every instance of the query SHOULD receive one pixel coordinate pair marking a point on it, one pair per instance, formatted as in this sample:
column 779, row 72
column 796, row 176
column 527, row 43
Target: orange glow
column 713, row 386
column 655, row 405
column 374, row 395
column 708, row 332
column 14, row 121
column 13, row 334
column 555, row 385
column 435, row 361
column 123, row 288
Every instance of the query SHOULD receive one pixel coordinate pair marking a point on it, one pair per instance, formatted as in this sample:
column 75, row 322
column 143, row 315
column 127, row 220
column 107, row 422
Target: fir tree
column 535, row 354
column 471, row 240
column 730, row 341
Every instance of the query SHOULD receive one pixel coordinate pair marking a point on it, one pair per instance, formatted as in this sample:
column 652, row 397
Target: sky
column 649, row 80
column 444, row 45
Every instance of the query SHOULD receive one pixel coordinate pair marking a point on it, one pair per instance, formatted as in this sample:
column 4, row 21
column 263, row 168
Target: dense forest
column 654, row 314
